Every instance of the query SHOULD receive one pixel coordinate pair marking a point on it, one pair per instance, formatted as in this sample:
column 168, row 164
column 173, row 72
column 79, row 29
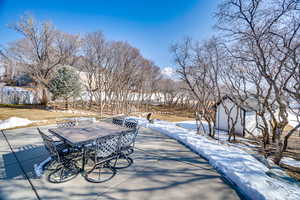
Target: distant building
column 246, row 119
column 2, row 71
column 9, row 70
column 226, row 108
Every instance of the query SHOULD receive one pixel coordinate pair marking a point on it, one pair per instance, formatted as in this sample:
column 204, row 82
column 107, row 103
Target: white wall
column 18, row 95
column 222, row 117
column 2, row 70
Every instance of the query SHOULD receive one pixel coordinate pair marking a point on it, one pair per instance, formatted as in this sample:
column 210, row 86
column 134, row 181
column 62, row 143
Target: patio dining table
column 79, row 136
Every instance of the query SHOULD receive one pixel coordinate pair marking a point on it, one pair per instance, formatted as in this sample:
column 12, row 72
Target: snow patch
column 38, row 168
column 14, row 122
column 188, row 125
column 294, row 119
column 291, row 162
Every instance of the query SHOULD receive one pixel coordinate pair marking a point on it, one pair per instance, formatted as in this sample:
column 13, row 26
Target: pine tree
column 65, row 85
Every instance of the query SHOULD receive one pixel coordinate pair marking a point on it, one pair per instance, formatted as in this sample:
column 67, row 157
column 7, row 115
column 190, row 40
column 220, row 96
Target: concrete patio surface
column 162, row 169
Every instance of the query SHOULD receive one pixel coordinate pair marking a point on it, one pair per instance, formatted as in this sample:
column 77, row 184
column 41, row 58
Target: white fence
column 17, row 95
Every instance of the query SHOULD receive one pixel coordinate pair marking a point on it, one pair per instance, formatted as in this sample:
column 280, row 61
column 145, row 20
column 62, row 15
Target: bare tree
column 266, row 33
column 198, row 65
column 93, row 62
column 41, row 51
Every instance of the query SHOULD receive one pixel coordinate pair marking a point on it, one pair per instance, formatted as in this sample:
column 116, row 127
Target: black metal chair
column 131, row 123
column 127, row 142
column 118, row 121
column 101, row 153
column 62, row 161
column 66, row 124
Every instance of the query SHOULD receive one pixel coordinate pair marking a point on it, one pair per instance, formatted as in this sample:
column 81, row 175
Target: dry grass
column 32, row 113
column 45, row 117
column 294, row 175
column 171, row 113
column 288, row 128
column 171, row 118
column 37, row 113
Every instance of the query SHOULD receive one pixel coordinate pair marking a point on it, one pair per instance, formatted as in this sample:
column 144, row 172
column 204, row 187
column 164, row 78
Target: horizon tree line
column 115, row 75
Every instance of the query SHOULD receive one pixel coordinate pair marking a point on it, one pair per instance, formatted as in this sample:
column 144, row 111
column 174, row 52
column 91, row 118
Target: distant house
column 2, row 72
column 9, row 70
column 226, row 108
column 246, row 120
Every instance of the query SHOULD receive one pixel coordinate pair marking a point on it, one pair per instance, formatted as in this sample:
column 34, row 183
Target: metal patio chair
column 62, row 161
column 118, row 121
column 131, row 123
column 101, row 153
column 127, row 142
column 66, row 124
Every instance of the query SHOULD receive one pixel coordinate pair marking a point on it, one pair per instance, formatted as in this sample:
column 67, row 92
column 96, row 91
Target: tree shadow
column 28, row 156
column 24, row 106
column 159, row 181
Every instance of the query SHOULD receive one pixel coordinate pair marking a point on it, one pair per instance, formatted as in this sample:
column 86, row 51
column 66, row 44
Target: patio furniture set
column 96, row 150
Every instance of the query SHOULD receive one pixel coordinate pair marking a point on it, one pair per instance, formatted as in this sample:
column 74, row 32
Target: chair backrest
column 127, row 138
column 131, row 123
column 118, row 121
column 49, row 144
column 67, row 124
column 107, row 146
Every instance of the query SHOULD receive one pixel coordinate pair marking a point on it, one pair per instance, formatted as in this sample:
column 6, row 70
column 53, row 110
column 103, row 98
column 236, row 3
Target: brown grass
column 171, row 118
column 294, row 175
column 171, row 113
column 45, row 117
column 288, row 128
column 32, row 113
column 37, row 113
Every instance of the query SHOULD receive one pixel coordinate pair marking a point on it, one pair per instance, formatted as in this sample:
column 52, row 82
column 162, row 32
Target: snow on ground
column 246, row 172
column 83, row 119
column 188, row 125
column 38, row 168
column 250, row 125
column 80, row 112
column 222, row 136
column 14, row 122
column 293, row 120
column 290, row 161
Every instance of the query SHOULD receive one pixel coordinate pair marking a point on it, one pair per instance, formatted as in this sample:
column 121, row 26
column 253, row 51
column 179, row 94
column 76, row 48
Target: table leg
column 83, row 159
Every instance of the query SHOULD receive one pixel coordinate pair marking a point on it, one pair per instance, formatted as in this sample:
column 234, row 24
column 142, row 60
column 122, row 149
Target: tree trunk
column 45, row 98
column 66, row 103
column 90, row 101
column 285, row 142
column 278, row 154
column 274, row 128
column 214, row 130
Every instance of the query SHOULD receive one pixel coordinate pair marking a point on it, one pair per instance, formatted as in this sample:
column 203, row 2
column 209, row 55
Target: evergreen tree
column 65, row 84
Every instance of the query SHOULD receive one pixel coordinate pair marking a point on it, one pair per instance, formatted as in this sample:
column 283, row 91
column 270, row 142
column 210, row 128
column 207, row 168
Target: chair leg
column 100, row 173
column 63, row 173
column 118, row 162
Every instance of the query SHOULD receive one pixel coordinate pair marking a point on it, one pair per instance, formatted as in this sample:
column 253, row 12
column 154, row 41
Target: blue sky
column 150, row 25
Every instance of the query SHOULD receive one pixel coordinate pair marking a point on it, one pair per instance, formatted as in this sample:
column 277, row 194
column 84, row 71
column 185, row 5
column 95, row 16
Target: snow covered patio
column 162, row 169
